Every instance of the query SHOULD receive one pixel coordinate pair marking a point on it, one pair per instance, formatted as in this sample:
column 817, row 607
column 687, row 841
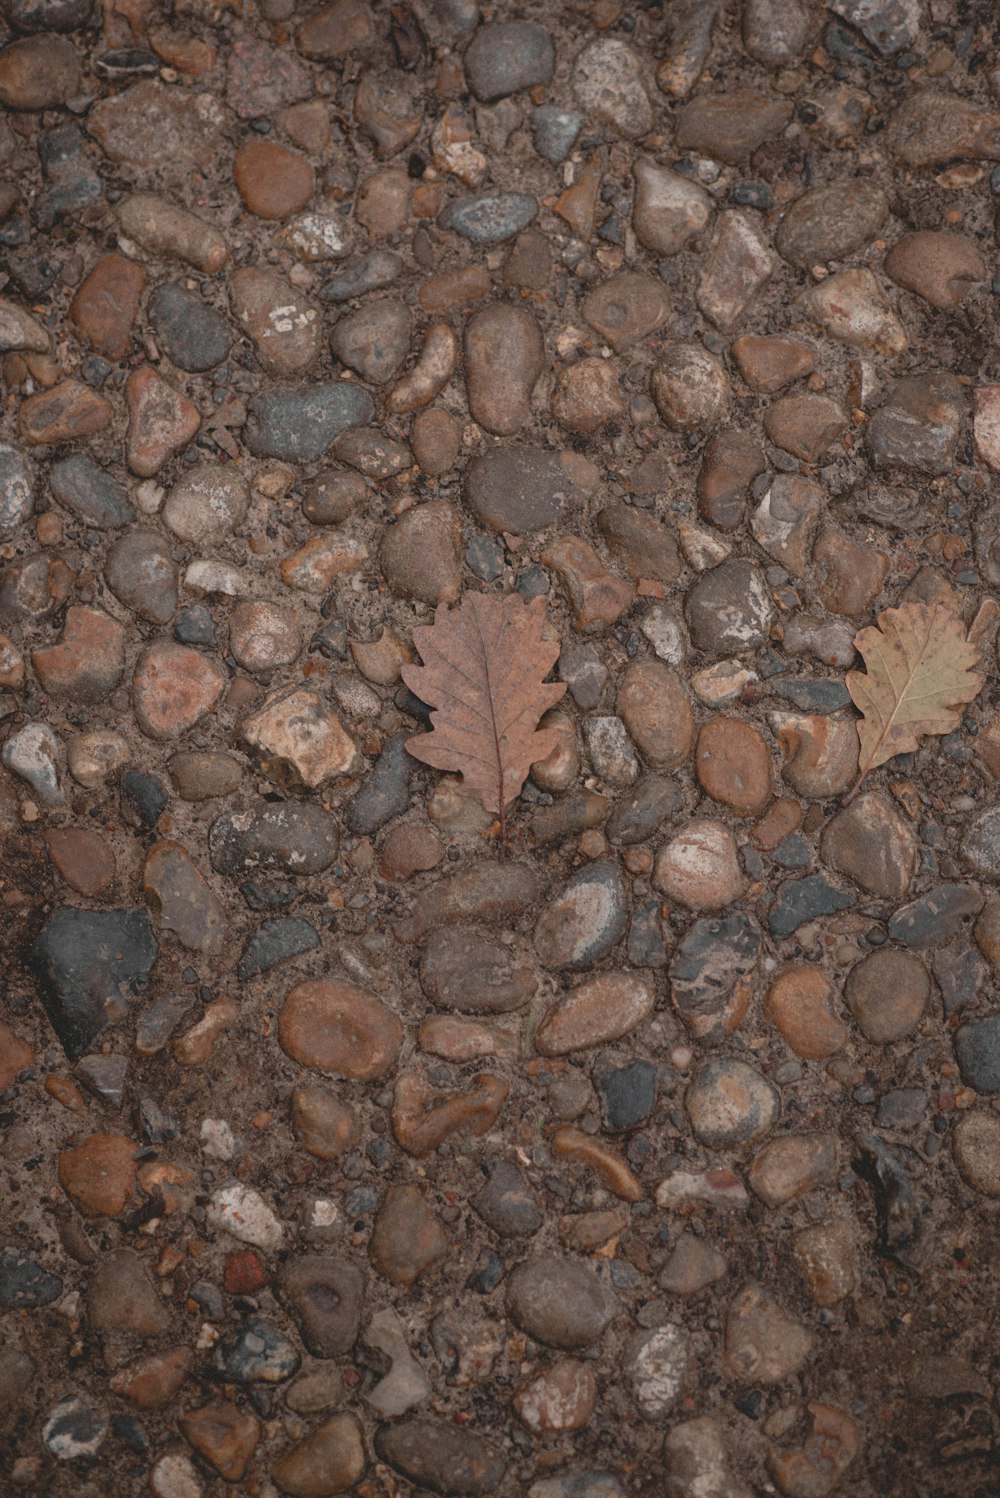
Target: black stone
column 90, row 492
column 268, row 897
column 195, row 626
column 144, row 799
column 887, row 1169
column 641, row 811
column 820, row 695
column 299, row 423
column 371, row 272
column 191, row 333
column 88, row 964
column 804, row 900
column 274, row 942
column 793, row 852
column 506, row 1204
column 628, row 1094
column 487, row 1274
column 24, row 1283
column 977, row 1050
column 386, row 792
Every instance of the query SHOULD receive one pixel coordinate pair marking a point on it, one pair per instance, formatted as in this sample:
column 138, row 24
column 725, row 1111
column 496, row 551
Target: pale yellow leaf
column 920, row 674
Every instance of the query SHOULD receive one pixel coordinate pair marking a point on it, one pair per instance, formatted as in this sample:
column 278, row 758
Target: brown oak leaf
column 919, row 677
column 483, row 673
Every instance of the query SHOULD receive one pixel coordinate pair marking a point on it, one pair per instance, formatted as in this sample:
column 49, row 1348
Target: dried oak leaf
column 483, row 673
column 919, row 677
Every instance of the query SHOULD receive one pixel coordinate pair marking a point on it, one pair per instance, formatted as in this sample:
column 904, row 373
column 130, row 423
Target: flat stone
column 323, row 1125
column 890, row 27
column 296, row 838
column 153, row 124
column 421, row 555
column 38, row 72
column 933, row 127
column 602, row 1009
column 791, row 1165
column 801, row 900
column 73, row 1430
column 407, row 1240
column 872, row 843
column 711, row 971
column 507, row 56
column 826, row 1257
column 489, row 217
column 799, row 1005
column 693, row 1266
column 330, row 1459
column 244, row 1214
column 181, row 899
column 24, row 1283
column 464, row 970
column 521, row 489
column 88, row 964
column 98, row 1176
column 690, row 387
column 669, row 210
column 273, row 943
column 937, row 916
column 325, row 1295
column 173, row 688
column 626, row 308
column 273, row 181
column 917, row 427
column 608, row 83
column 225, row 1436
column 559, row 1302
column 977, row 1050
column 122, row 1297
column 67, row 412
column 763, row 1343
column 141, row 574
column 729, row 127
column 340, row 1030
column 559, row 1399
column 88, row 491
column 729, row 609
column 768, row 364
column 831, row 222
column 976, row 1146
column 441, row 1458
column 104, row 309
column 506, row 1204
column 729, row 1102
column 299, row 424
column 697, row 1457
column 161, row 421
column 699, row 867
column 938, row 266
column 738, row 265
column 373, row 341
column 821, row 752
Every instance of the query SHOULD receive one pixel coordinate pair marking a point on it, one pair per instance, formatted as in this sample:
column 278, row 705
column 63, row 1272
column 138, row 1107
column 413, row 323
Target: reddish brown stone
column 335, row 30
column 733, row 765
column 224, row 1435
column 98, row 1175
column 421, row 1119
column 16, row 1055
column 323, row 1125
column 88, row 662
column 799, row 1006
column 66, row 413
column 339, row 1029
column 161, row 421
column 407, row 1239
column 150, row 1383
column 173, row 687
column 82, row 857
column 104, row 309
column 243, row 1273
column 273, row 181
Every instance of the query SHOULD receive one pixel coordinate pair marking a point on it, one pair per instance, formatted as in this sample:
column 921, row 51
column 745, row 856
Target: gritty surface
column 340, row 1149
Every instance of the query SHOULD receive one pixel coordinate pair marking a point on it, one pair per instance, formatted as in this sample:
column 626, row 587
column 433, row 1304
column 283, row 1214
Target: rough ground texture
column 343, row 1150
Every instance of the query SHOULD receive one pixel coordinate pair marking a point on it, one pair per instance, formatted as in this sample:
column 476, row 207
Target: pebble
column 66, row 413
column 39, row 72
column 330, row 1459
column 729, row 609
column 407, row 1240
column 939, row 266
column 243, row 1213
column 506, row 1203
column 917, row 427
column 791, row 1165
column 489, row 217
column 932, row 127
column 656, row 1365
column 555, row 131
column 608, row 85
column 831, row 222
column 562, row 1398
column 976, row 1146
column 173, row 688
column 462, row 969
column 710, row 972
column 826, row 1257
column 87, row 662
column 873, row 844
column 339, row 1029
column 506, row 57
column 656, row 710
column 768, row 364
column 25, row 1283
column 73, row 1430
column 87, row 964
column 479, row 892
column 732, row 461
column 799, row 1005
column 585, row 921
column 520, row 489
column 977, row 1050
column 504, row 357
column 802, row 900
column 325, row 1295
column 299, row 424
column 98, row 1175
column 141, row 574
column 785, row 521
column 669, row 210
column 256, row 1352
column 77, row 483
column 208, row 503
column 283, row 326
column 441, row 1458
column 937, row 916
column 421, row 556
column 161, row 422
column 693, row 1266
column 821, row 753
column 738, row 266
column 642, row 810
column 181, row 899
column 223, row 1435
column 733, row 765
column 690, row 388
column 122, row 1297
column 165, row 229
column 763, row 1342
column 294, row 837
column 559, row 1302
column 729, row 127
column 852, row 308
column 372, row 341
column 273, row 181
column 600, row 1010
column 299, row 743
column 729, row 1102
column 699, row 867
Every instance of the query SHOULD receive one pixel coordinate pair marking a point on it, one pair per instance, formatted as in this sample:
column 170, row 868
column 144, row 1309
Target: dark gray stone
column 326, row 1296
column 505, row 57
column 816, row 696
column 918, row 426
column 729, row 609
column 190, row 332
column 506, row 1203
column 902, row 1108
column 645, row 946
column 141, row 574
column 24, row 1283
column 300, row 424
column 961, row 975
column 371, row 272
column 463, row 969
column 489, row 217
column 48, row 15
column 144, row 799
column 520, row 489
column 386, row 792
column 274, row 942
column 88, row 964
column 90, row 493
column 583, row 923
column 640, row 812
column 627, row 1093
column 554, row 131
column 977, row 1050
column 258, row 1353
column 715, row 954
column 937, row 916
column 299, row 838
column 580, row 666
column 804, row 900
column 440, row 1458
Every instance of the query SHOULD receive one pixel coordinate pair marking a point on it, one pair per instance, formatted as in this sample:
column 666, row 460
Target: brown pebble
column 66, row 413
column 799, row 1006
column 407, row 1240
column 324, row 1125
column 98, row 1175
column 733, row 765
column 106, row 305
column 700, row 868
column 655, row 708
column 409, row 849
column 436, row 441
column 887, row 992
column 339, row 1029
column 224, row 1435
column 273, row 181
column 16, row 1055
column 83, row 858
column 422, row 1119
column 173, row 687
column 161, row 421
column 569, row 1143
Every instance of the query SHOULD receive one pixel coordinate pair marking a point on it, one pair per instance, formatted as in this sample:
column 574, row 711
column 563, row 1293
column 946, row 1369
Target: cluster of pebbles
column 342, row 1149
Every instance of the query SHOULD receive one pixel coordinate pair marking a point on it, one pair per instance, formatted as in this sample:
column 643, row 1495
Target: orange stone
column 339, row 1029
column 173, row 687
column 224, row 1435
column 150, row 1383
column 87, row 663
column 733, row 765
column 67, row 412
column 798, row 1005
column 15, row 1055
column 273, row 181
column 82, row 857
column 106, row 305
column 98, row 1175
column 161, row 421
